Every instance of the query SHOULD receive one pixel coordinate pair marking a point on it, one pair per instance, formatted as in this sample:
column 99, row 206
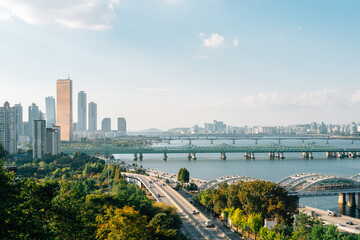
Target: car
column 339, row 225
column 195, row 212
column 158, row 195
column 150, row 186
column 357, row 227
column 208, row 223
column 350, row 223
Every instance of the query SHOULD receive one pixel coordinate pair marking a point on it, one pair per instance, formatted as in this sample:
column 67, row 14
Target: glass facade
column 64, row 108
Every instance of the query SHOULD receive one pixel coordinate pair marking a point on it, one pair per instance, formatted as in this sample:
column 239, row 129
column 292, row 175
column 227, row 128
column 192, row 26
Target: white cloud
column 202, row 57
column 76, row 14
column 215, row 40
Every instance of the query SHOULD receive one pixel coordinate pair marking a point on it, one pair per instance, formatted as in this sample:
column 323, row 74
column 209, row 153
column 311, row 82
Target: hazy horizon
column 175, row 63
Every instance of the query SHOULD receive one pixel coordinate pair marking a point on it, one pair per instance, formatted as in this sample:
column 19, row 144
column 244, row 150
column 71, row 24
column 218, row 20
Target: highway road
column 193, row 224
column 339, row 221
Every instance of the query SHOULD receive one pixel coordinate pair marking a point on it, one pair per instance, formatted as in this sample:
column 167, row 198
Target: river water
column 209, row 166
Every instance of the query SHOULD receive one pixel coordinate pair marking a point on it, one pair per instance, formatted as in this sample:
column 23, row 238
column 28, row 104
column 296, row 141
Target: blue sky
column 174, row 63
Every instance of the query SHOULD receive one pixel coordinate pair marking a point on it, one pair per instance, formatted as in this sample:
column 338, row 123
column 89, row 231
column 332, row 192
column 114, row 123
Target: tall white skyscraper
column 92, row 116
column 39, row 142
column 81, row 125
column 50, row 111
column 19, row 120
column 8, row 128
column 34, row 114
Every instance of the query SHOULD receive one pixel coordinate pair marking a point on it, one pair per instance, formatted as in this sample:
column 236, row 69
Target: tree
column 183, row 175
column 255, row 222
column 267, row 234
column 238, row 218
column 121, row 224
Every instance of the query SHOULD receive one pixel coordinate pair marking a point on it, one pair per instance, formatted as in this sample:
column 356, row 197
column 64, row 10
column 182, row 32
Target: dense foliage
column 266, row 198
column 77, row 206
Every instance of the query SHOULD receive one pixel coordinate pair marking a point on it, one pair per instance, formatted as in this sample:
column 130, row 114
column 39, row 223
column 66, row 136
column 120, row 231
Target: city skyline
column 159, row 62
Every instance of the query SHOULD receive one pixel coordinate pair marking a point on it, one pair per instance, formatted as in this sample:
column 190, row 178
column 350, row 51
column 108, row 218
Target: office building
column 50, row 111
column 106, row 125
column 81, row 124
column 64, row 118
column 33, row 114
column 19, row 120
column 8, row 128
column 39, row 142
column 92, row 116
column 121, row 124
column 53, row 140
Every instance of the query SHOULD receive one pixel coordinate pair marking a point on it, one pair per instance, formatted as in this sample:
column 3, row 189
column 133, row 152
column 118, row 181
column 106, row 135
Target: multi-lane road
column 193, row 220
column 340, row 221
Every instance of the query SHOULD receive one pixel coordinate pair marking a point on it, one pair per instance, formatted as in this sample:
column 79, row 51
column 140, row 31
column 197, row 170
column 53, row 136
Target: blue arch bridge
column 274, row 150
column 307, row 185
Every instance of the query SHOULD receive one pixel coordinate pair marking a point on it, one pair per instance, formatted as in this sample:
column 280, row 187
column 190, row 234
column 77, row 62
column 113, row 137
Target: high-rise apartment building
column 33, row 114
column 8, row 128
column 39, row 142
column 81, row 124
column 106, row 125
column 121, row 124
column 53, row 140
column 64, row 108
column 92, row 116
column 50, row 111
column 19, row 120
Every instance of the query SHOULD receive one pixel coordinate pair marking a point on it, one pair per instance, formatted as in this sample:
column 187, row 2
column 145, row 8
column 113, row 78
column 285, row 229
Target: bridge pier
column 189, row 141
column 233, row 141
column 194, row 156
column 330, row 154
column 222, row 156
column 271, row 155
column 279, row 141
column 307, row 155
column 327, row 141
column 252, row 156
column 303, row 140
column 352, row 154
column 342, row 199
column 141, row 157
column 351, row 202
column 169, row 141
column 211, row 141
column 165, row 157
column 339, row 155
column 256, row 141
column 135, row 158
column 247, row 155
column 189, row 156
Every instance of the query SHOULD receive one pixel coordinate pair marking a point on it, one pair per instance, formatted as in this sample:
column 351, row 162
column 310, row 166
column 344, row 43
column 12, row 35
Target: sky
column 175, row 63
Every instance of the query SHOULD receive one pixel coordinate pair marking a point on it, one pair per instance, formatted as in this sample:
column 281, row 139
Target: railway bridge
column 274, row 150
